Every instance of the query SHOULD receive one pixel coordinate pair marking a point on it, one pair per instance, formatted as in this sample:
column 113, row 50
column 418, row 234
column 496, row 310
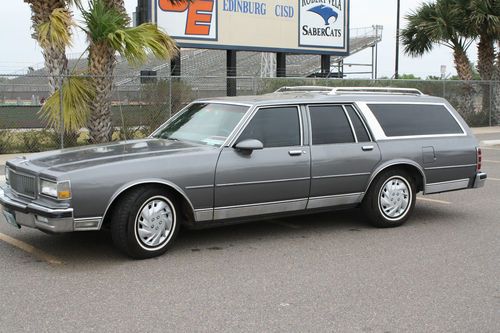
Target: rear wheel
column 390, row 199
column 145, row 222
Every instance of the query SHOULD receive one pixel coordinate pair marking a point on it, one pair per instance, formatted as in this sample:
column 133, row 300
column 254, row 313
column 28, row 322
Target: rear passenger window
column 274, row 127
column 359, row 128
column 415, row 119
column 329, row 125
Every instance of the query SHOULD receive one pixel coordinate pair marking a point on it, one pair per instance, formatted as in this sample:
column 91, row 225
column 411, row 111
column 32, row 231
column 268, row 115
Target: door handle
column 295, row 152
column 367, row 148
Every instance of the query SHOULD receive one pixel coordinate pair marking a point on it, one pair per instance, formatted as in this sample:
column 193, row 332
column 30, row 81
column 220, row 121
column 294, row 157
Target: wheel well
column 412, row 170
column 185, row 206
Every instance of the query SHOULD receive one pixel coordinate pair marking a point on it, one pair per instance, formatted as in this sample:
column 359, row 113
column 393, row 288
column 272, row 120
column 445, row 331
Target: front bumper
column 480, row 180
column 35, row 216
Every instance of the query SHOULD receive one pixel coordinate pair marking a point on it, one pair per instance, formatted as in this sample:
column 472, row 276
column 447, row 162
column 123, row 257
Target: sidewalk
column 486, row 130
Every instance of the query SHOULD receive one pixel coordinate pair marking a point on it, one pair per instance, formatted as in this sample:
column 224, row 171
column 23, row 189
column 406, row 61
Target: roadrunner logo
column 196, row 19
column 322, row 22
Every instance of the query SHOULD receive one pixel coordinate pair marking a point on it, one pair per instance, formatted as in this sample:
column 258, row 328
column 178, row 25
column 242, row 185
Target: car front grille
column 22, row 184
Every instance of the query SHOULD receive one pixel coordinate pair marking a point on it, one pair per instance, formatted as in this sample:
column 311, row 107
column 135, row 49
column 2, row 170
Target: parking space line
column 490, row 148
column 31, row 250
column 434, row 200
column 491, row 161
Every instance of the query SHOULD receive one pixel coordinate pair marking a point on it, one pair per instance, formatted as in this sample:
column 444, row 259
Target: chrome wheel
column 154, row 223
column 395, row 198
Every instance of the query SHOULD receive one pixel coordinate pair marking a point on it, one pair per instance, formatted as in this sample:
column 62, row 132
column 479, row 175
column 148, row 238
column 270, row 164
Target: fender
column 391, row 163
column 143, row 182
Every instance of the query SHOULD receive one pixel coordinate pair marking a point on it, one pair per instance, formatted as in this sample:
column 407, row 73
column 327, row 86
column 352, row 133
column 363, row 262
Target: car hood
column 66, row 160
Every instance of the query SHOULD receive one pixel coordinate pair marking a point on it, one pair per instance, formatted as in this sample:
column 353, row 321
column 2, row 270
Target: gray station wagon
column 228, row 160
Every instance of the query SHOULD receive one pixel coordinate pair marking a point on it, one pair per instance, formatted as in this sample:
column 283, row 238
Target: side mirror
column 249, row 145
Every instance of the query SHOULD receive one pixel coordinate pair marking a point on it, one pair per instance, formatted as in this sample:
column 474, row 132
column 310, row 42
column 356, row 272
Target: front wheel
column 390, row 199
column 145, row 222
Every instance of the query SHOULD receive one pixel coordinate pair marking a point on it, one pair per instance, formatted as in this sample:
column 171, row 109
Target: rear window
column 415, row 119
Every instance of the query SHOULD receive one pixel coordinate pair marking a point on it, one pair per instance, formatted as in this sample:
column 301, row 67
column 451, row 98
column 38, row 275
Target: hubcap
column 394, row 197
column 153, row 224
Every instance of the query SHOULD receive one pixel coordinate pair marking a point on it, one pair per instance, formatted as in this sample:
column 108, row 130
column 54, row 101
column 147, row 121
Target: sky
column 19, row 50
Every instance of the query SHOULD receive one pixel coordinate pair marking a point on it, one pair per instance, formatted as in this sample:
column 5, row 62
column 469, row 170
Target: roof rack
column 352, row 90
column 375, row 90
column 304, row 89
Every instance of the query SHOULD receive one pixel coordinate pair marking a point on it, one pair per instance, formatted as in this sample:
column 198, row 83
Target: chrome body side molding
column 334, row 200
column 446, row 186
column 262, row 208
column 205, row 214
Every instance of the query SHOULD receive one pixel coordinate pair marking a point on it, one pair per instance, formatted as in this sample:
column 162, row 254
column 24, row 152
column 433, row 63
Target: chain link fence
column 141, row 104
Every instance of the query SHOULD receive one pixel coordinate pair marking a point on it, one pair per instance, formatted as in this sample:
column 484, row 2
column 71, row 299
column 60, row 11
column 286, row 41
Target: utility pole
column 396, row 67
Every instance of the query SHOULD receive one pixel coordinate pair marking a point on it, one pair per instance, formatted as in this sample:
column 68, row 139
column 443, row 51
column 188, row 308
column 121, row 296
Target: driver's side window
column 274, row 127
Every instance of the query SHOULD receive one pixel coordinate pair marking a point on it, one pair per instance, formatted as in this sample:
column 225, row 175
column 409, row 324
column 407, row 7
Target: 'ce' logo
column 199, row 15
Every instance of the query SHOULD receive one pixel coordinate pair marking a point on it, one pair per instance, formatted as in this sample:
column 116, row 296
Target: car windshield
column 205, row 123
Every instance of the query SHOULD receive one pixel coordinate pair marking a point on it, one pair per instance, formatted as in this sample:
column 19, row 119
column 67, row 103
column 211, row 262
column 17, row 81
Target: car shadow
column 96, row 248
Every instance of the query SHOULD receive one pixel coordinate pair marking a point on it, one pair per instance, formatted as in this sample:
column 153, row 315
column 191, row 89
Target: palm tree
column 52, row 22
column 108, row 33
column 442, row 23
column 484, row 22
column 439, row 23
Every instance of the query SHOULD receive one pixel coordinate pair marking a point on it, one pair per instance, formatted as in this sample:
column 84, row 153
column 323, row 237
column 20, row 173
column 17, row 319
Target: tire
column 138, row 234
column 390, row 199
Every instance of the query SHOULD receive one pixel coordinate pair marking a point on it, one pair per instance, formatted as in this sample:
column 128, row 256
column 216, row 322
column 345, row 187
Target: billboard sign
column 294, row 26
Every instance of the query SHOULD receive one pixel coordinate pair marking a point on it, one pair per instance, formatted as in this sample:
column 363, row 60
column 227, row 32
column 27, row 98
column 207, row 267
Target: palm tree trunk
column 464, row 71
column 102, row 62
column 486, row 68
column 495, row 112
column 56, row 62
column 101, row 66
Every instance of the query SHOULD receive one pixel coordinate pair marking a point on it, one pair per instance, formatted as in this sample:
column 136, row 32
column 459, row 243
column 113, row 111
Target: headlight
column 59, row 190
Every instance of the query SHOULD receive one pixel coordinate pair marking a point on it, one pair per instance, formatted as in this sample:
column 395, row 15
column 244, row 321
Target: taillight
column 479, row 158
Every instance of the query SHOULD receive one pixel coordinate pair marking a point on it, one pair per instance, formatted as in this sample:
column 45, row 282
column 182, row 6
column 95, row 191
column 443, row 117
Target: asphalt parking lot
column 329, row 272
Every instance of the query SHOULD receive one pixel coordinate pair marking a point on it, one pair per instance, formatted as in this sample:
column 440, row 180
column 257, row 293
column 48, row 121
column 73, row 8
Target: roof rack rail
column 304, row 89
column 352, row 90
column 375, row 90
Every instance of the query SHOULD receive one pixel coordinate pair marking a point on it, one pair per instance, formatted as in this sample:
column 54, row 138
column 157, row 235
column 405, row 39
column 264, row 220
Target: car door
column 343, row 155
column 269, row 180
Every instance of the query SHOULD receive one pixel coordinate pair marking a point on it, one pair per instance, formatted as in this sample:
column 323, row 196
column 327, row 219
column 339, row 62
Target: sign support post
column 325, row 65
column 280, row 64
column 231, row 72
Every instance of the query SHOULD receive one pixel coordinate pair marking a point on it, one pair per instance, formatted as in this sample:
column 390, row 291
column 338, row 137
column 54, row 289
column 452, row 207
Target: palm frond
column 484, row 17
column 57, row 30
column 101, row 21
column 77, row 94
column 136, row 43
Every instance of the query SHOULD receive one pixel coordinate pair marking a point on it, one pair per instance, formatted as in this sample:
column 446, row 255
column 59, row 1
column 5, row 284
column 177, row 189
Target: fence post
column 491, row 102
column 169, row 97
column 61, row 110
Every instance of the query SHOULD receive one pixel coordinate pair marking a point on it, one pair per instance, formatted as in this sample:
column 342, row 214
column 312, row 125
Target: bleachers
column 200, row 66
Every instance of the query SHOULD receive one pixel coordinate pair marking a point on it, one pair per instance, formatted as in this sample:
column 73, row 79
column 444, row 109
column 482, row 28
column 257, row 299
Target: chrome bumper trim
column 480, row 180
column 39, row 217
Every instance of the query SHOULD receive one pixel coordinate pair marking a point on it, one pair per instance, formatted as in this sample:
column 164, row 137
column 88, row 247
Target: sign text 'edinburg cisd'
column 295, row 26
